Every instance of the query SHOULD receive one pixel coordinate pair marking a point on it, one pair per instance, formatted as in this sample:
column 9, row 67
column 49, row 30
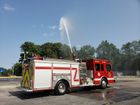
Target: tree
column 131, row 56
column 136, row 63
column 131, row 48
column 86, row 52
column 108, row 51
column 75, row 52
column 48, row 51
column 57, row 49
column 29, row 49
column 127, row 57
column 65, row 52
column 17, row 69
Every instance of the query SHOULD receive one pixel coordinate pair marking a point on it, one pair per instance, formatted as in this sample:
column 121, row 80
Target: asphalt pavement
column 126, row 92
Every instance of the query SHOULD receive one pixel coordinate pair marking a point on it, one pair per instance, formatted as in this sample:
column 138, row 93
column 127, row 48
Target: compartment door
column 42, row 76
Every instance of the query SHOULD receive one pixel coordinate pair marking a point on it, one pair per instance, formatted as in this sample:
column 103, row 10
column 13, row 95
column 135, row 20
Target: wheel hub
column 61, row 88
column 104, row 83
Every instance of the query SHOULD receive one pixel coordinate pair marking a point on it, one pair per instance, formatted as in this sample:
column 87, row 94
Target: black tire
column 60, row 88
column 103, row 83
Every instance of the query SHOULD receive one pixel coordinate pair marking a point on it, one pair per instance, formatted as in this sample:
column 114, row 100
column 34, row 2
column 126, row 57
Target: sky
column 88, row 22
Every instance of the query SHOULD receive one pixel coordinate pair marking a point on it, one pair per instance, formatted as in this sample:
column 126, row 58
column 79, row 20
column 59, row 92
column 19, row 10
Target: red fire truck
column 63, row 75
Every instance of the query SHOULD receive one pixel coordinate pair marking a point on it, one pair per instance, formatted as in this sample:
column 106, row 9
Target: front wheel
column 103, row 83
column 60, row 88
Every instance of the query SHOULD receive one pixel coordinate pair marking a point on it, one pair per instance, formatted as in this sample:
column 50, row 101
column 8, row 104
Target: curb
column 9, row 86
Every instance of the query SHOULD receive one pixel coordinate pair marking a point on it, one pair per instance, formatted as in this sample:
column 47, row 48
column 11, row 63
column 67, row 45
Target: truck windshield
column 108, row 67
column 97, row 66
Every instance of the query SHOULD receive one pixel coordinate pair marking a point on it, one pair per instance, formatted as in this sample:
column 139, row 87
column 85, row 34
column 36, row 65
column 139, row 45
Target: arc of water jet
column 67, row 33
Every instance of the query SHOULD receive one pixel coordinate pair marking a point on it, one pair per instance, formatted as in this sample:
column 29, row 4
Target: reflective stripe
column 26, row 79
column 54, row 68
column 111, row 78
column 98, row 79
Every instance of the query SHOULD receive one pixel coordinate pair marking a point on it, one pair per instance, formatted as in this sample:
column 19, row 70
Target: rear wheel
column 61, row 88
column 103, row 83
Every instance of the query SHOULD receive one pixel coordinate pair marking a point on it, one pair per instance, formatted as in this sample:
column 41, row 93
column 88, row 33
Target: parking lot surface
column 121, row 93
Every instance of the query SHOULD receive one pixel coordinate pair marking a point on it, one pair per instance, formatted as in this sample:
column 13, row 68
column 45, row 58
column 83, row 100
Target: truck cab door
column 109, row 75
column 97, row 73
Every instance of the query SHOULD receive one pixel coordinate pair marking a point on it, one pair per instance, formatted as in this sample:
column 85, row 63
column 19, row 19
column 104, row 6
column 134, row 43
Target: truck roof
column 97, row 60
column 57, row 61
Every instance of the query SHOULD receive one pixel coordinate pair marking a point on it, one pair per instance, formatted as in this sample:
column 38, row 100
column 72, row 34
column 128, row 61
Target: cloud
column 53, row 27
column 44, row 34
column 8, row 7
column 48, row 34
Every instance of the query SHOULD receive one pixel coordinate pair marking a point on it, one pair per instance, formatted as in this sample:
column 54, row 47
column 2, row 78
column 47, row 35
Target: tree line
column 126, row 59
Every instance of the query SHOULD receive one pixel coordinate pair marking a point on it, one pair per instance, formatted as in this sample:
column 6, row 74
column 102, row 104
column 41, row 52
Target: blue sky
column 90, row 22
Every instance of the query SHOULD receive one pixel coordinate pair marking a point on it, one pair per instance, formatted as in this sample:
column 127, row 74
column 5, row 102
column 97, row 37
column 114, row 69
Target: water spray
column 63, row 26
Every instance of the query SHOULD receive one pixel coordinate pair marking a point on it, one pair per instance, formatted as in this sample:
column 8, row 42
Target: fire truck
column 63, row 75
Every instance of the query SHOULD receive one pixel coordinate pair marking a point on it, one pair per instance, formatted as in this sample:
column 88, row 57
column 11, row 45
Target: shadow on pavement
column 29, row 95
column 110, row 94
